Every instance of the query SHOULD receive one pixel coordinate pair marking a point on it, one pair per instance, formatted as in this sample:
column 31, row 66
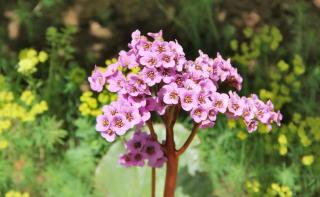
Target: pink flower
column 217, row 71
column 119, row 124
column 212, row 114
column 188, row 99
column 127, row 60
column 208, row 86
column 203, row 99
column 132, row 115
column 109, row 135
column 136, row 36
column 167, row 60
column 138, row 82
column 126, row 160
column 156, row 36
column 234, row 79
column 138, row 159
column 236, row 104
column 168, row 74
column 252, row 125
column 144, row 47
column 206, row 124
column 150, row 59
column 159, row 47
column 111, row 70
column 152, row 150
column 137, row 101
column 145, row 114
column 160, row 106
column 171, row 94
column 151, row 104
column 158, row 162
column 151, row 76
column 103, row 123
column 248, row 111
column 142, row 147
column 176, row 48
column 220, row 101
column 136, row 143
column 180, row 79
column 97, row 80
column 117, row 82
column 199, row 114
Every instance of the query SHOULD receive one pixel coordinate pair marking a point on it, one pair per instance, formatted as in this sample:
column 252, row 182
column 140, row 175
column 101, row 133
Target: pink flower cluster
column 166, row 78
column 140, row 148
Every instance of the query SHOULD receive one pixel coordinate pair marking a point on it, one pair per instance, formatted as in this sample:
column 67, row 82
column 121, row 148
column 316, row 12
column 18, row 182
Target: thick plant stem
column 171, row 176
column 172, row 164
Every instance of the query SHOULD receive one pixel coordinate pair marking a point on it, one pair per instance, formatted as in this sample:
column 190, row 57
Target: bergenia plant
column 166, row 84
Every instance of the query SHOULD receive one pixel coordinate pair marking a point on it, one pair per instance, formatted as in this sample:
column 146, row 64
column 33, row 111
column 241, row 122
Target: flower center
column 129, row 117
column 113, row 112
column 133, row 89
column 151, row 75
column 119, row 123
column 152, row 61
column 198, row 112
column 100, row 80
column 179, row 81
column 109, row 132
column 218, row 104
column 127, row 159
column 146, row 46
column 137, row 145
column 245, row 113
column 201, row 99
column 173, row 95
column 166, row 58
column 105, row 122
column 198, row 67
column 160, row 48
column 138, row 157
column 150, row 150
column 235, row 106
column 188, row 99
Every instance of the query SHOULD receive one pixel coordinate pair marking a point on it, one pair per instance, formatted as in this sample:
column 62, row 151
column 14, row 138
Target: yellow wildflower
column 305, row 141
column 92, row 102
column 5, row 124
column 242, row 135
column 43, row 56
column 27, row 97
column 3, row 144
column 84, row 109
column 135, row 70
column 275, row 187
column 231, row 124
column 16, row 194
column 6, row 96
column 253, row 186
column 282, row 139
column 283, row 150
column 307, row 160
column 103, row 98
column 27, row 66
column 31, row 53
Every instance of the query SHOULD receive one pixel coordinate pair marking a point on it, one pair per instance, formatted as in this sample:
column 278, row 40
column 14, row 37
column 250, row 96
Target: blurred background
column 48, row 144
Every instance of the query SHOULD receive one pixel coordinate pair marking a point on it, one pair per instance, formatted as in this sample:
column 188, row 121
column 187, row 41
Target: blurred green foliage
column 48, row 146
